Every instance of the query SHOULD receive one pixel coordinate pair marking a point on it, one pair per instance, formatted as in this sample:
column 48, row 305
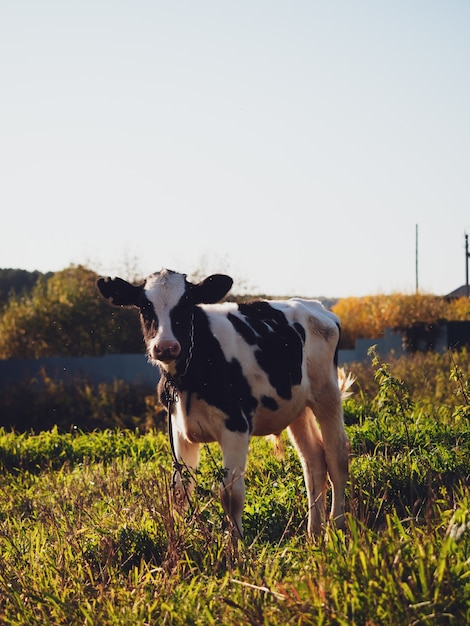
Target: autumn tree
column 17, row 282
column 64, row 315
column 459, row 309
column 369, row 316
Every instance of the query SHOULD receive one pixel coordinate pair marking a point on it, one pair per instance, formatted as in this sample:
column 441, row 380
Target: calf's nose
column 166, row 350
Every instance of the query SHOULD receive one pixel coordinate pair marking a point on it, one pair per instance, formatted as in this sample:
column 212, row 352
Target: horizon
column 243, row 291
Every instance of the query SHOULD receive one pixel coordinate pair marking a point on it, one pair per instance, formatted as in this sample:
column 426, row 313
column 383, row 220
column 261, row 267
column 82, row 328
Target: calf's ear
column 212, row 289
column 119, row 291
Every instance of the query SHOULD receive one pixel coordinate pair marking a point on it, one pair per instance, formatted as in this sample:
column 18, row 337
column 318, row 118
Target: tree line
column 14, row 282
column 62, row 314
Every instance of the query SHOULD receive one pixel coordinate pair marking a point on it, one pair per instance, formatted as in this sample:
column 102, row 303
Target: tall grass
column 89, row 534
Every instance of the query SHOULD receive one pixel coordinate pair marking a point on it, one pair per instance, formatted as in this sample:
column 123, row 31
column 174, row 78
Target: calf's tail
column 345, row 382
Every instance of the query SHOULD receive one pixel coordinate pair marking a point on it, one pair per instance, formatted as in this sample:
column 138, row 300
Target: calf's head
column 165, row 300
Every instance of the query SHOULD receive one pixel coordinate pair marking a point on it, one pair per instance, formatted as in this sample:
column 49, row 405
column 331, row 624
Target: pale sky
column 293, row 144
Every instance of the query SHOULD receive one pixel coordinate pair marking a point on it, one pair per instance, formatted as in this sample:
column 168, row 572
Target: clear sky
column 293, row 144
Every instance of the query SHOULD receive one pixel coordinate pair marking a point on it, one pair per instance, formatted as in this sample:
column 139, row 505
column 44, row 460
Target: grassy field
column 88, row 534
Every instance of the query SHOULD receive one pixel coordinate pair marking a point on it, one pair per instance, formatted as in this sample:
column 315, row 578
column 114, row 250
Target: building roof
column 460, row 292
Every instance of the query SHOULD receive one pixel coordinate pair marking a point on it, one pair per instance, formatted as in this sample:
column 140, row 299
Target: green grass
column 88, row 533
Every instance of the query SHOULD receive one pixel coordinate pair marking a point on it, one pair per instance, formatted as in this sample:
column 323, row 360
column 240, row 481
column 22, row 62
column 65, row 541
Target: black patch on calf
column 301, row 330
column 279, row 345
column 148, row 319
column 240, row 403
column 335, row 359
column 242, row 329
column 209, row 375
column 269, row 403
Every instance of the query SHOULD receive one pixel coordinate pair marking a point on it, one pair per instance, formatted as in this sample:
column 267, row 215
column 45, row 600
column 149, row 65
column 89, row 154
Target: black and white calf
column 242, row 370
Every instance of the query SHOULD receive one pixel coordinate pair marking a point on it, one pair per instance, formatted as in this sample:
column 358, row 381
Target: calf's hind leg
column 306, row 437
column 328, row 410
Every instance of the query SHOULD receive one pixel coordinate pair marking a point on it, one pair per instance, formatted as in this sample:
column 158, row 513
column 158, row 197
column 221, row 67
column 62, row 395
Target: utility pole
column 416, row 260
column 467, row 256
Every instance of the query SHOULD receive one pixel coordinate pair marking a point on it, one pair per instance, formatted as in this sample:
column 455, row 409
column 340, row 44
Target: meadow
column 89, row 535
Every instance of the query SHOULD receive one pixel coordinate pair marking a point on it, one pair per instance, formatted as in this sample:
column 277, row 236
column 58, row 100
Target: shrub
column 431, row 377
column 45, row 403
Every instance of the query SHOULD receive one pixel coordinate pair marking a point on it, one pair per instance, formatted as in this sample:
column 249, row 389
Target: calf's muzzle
column 165, row 351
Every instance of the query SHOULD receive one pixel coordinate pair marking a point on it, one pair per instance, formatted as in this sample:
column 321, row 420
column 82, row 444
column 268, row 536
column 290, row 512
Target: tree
column 459, row 309
column 368, row 317
column 17, row 282
column 64, row 315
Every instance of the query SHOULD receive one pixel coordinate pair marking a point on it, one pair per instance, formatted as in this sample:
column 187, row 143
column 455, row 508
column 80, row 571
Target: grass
column 89, row 535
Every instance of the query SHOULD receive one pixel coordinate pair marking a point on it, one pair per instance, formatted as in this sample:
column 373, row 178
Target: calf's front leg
column 232, row 489
column 187, row 455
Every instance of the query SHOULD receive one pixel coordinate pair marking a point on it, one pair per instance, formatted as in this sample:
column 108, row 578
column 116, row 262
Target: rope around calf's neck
column 171, row 392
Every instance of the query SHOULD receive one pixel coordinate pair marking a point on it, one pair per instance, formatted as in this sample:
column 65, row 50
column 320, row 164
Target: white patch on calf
column 164, row 290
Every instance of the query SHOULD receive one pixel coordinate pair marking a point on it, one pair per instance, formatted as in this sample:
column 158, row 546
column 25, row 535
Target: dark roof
column 460, row 292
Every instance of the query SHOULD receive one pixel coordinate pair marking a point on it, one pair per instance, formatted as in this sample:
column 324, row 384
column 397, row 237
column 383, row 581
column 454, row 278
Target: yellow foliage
column 459, row 309
column 369, row 316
